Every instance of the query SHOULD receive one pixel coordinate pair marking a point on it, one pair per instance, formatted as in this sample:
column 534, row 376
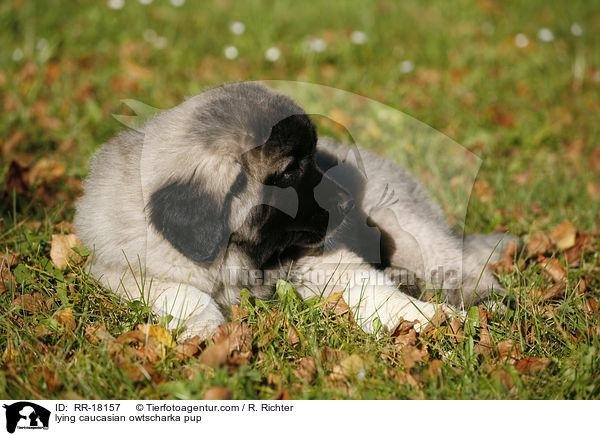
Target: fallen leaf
column 9, row 259
column 532, row 365
column 506, row 265
column 593, row 190
column 484, row 191
column 509, row 350
column 28, row 302
column 583, row 243
column 554, row 292
column 484, row 345
column 563, row 235
column 61, row 251
column 7, row 279
column 405, row 333
column 332, row 355
column 341, row 117
column 595, row 159
column 411, row 356
column 231, row 344
column 349, row 367
column 12, row 142
column 15, row 179
column 282, row 395
column 456, row 331
column 553, row 268
column 306, row 368
column 161, row 334
column 539, row 243
column 66, row 318
column 218, row 393
column 188, row 348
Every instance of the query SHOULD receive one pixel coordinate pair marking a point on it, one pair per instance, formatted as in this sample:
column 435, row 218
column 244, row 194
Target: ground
column 516, row 84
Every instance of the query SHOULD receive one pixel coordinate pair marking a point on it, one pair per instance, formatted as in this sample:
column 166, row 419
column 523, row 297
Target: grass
column 529, row 113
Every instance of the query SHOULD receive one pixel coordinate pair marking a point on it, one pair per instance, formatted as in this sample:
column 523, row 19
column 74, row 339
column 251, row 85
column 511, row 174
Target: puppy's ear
column 192, row 220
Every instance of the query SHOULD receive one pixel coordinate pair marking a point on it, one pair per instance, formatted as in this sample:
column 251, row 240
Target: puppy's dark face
column 287, row 160
column 197, row 223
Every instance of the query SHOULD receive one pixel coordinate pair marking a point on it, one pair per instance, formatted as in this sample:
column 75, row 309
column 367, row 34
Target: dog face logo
column 26, row 415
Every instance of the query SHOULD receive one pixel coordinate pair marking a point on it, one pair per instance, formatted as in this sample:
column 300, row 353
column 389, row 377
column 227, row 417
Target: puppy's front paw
column 198, row 325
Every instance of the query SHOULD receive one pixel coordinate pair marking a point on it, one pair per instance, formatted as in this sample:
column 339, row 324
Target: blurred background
column 517, row 83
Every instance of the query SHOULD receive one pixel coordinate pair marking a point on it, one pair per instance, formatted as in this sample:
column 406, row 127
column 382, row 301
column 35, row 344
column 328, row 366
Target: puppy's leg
column 187, row 305
column 369, row 293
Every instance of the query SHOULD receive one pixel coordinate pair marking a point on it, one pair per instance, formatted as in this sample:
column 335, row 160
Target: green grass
column 519, row 109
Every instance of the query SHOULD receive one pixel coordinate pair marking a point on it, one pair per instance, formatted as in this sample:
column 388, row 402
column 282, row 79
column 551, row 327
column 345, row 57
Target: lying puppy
column 232, row 189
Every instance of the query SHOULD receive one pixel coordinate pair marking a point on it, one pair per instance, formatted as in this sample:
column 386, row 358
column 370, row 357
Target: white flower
column 17, row 55
column 487, row 28
column 521, row 40
column 230, row 52
column 177, row 3
column 406, row 67
column 545, row 34
column 145, row 2
column 358, row 37
column 237, row 27
column 272, row 54
column 149, row 35
column 576, row 29
column 116, row 4
column 41, row 44
column 315, row 44
column 160, row 42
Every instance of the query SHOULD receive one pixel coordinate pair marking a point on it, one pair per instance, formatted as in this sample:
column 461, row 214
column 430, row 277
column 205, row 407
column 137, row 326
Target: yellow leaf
column 61, row 252
column 161, row 334
column 563, row 235
column 66, row 318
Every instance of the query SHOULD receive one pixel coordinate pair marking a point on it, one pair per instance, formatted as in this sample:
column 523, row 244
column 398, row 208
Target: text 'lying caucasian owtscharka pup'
column 233, row 189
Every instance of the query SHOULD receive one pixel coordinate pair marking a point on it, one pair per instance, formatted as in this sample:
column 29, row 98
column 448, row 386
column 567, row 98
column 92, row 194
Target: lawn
column 515, row 83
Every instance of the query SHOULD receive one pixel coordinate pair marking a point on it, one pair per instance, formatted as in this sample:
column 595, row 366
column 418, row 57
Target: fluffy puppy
column 231, row 189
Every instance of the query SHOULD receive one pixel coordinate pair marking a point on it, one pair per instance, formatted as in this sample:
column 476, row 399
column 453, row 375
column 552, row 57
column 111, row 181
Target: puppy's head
column 253, row 180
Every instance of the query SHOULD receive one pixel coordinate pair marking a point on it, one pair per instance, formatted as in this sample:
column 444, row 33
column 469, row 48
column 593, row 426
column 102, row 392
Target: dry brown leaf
column 282, row 395
column 7, row 280
column 484, row 191
column 456, row 331
column 331, row 355
column 188, row 348
column 66, row 318
column 9, row 260
column 411, row 356
column 506, row 265
column 595, row 159
column 484, row 345
column 218, row 393
column 15, row 179
column 563, row 235
column 336, row 304
column 97, row 333
column 553, row 268
column 509, row 350
column 31, row 303
column 593, row 190
column 231, row 344
column 348, row 367
column 306, row 368
column 405, row 333
column 539, row 243
column 61, row 252
column 161, row 334
column 433, row 370
column 12, row 142
column 532, row 365
column 340, row 116
column 238, row 313
column 583, row 243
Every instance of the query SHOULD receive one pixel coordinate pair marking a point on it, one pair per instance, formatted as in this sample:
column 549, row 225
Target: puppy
column 232, row 189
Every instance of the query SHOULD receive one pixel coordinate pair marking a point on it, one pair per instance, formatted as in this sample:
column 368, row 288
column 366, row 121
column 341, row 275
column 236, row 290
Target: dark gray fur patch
column 193, row 221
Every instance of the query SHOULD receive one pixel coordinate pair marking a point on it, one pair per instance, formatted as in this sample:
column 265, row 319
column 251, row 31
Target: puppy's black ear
column 193, row 221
